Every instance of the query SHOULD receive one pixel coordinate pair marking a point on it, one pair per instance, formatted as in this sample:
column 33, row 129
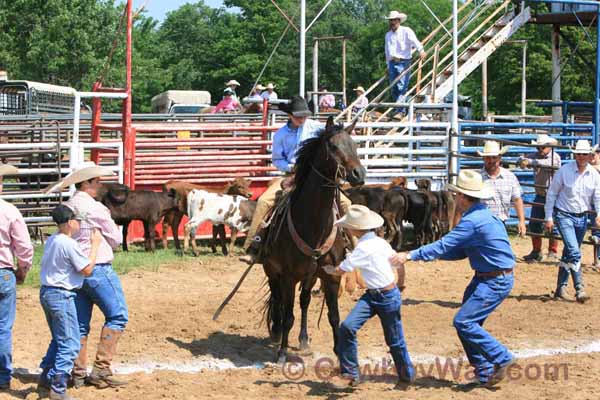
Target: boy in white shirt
column 382, row 298
column 62, row 271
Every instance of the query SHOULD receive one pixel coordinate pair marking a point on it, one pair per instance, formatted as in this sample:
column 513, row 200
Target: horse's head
column 342, row 149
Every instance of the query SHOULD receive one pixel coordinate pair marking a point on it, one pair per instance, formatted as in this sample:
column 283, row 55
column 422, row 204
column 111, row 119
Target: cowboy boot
column 58, row 388
column 101, row 375
column 43, row 382
column 79, row 372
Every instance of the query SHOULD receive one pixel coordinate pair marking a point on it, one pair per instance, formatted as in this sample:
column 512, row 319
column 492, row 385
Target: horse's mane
column 307, row 152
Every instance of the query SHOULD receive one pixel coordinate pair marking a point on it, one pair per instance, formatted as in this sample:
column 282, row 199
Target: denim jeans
column 102, row 288
column 572, row 230
column 387, row 307
column 61, row 315
column 395, row 68
column 8, row 309
column 480, row 299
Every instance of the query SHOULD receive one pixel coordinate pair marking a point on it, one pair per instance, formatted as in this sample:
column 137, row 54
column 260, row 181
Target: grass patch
column 135, row 259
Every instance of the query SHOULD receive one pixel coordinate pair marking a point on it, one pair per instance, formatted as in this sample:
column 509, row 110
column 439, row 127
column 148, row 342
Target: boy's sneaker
column 560, row 294
column 534, row 256
column 581, row 297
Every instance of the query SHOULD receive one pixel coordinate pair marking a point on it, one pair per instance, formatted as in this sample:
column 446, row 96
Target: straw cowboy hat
column 583, row 147
column 84, row 172
column 397, row 15
column 7, row 169
column 232, row 82
column 270, row 86
column 260, row 87
column 492, row 148
column 361, row 218
column 297, row 107
column 544, row 140
column 471, row 183
column 359, row 89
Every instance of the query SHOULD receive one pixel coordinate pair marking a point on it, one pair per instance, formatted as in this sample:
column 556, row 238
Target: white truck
column 180, row 102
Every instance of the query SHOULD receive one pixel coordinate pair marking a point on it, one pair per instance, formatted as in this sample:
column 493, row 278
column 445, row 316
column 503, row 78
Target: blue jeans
column 102, row 288
column 8, row 309
column 61, row 315
column 572, row 230
column 395, row 68
column 387, row 306
column 537, row 212
column 480, row 299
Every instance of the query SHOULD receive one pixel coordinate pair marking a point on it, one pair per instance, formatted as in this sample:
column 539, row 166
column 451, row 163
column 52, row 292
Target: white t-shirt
column 371, row 255
column 62, row 262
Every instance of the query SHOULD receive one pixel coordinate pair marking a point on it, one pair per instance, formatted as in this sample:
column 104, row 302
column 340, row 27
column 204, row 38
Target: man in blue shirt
column 286, row 142
column 482, row 238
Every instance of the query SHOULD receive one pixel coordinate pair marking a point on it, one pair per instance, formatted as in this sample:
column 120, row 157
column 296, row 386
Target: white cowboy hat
column 232, row 82
column 397, row 15
column 359, row 89
column 260, row 87
column 492, row 148
column 84, row 172
column 270, row 86
column 361, row 218
column 471, row 183
column 543, row 140
column 583, row 147
column 7, row 169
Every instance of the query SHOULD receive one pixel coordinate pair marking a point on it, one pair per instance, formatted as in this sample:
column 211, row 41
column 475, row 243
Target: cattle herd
column 431, row 213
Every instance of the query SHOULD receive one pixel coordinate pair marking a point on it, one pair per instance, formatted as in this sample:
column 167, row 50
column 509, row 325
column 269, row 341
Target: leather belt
column 387, row 288
column 396, row 59
column 578, row 215
column 493, row 274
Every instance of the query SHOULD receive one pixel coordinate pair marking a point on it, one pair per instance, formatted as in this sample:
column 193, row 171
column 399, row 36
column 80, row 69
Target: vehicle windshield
column 186, row 109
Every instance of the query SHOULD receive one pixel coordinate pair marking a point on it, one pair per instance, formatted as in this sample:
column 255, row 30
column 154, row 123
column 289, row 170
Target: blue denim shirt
column 480, row 236
column 287, row 140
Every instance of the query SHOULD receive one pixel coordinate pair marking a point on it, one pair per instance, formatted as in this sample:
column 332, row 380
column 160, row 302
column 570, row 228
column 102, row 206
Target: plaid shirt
column 506, row 188
column 95, row 215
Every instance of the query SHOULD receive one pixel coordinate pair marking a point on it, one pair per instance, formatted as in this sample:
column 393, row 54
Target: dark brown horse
column 307, row 239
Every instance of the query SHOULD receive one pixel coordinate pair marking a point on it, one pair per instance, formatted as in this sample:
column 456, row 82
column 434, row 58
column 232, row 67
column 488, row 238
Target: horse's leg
column 274, row 319
column 333, row 312
column 305, row 296
column 234, row 233
column 288, row 294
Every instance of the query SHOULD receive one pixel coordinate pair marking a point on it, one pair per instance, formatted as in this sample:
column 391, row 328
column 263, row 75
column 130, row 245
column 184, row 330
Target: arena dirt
column 192, row 357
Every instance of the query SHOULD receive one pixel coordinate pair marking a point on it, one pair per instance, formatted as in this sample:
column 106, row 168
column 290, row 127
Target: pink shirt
column 361, row 103
column 95, row 215
column 227, row 104
column 14, row 238
column 327, row 101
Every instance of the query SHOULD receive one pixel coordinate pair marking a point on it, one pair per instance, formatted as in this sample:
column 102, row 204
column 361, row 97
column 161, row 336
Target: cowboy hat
column 471, row 183
column 583, row 147
column 397, row 15
column 359, row 89
column 297, row 107
column 492, row 148
column 84, row 172
column 232, row 82
column 361, row 218
column 7, row 169
column 260, row 87
column 544, row 140
column 270, row 86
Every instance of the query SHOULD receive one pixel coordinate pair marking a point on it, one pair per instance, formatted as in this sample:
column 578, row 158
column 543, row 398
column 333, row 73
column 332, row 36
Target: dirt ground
column 192, row 357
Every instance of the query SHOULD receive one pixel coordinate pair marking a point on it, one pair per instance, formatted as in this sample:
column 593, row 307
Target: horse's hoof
column 281, row 358
column 305, row 350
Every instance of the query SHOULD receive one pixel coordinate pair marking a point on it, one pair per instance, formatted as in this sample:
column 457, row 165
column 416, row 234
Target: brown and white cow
column 233, row 211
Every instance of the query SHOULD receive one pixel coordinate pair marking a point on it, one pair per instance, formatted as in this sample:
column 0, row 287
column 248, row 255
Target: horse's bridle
column 339, row 173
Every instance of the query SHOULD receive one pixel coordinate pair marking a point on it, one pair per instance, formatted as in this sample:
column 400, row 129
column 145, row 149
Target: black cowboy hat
column 297, row 107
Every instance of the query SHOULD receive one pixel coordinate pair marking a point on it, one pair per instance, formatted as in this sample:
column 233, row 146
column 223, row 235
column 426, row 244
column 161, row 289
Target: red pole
column 96, row 120
column 128, row 132
column 265, row 121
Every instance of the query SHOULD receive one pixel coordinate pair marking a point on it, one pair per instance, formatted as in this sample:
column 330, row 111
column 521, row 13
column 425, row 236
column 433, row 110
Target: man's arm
column 21, row 247
column 107, row 227
column 448, row 247
column 278, row 156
